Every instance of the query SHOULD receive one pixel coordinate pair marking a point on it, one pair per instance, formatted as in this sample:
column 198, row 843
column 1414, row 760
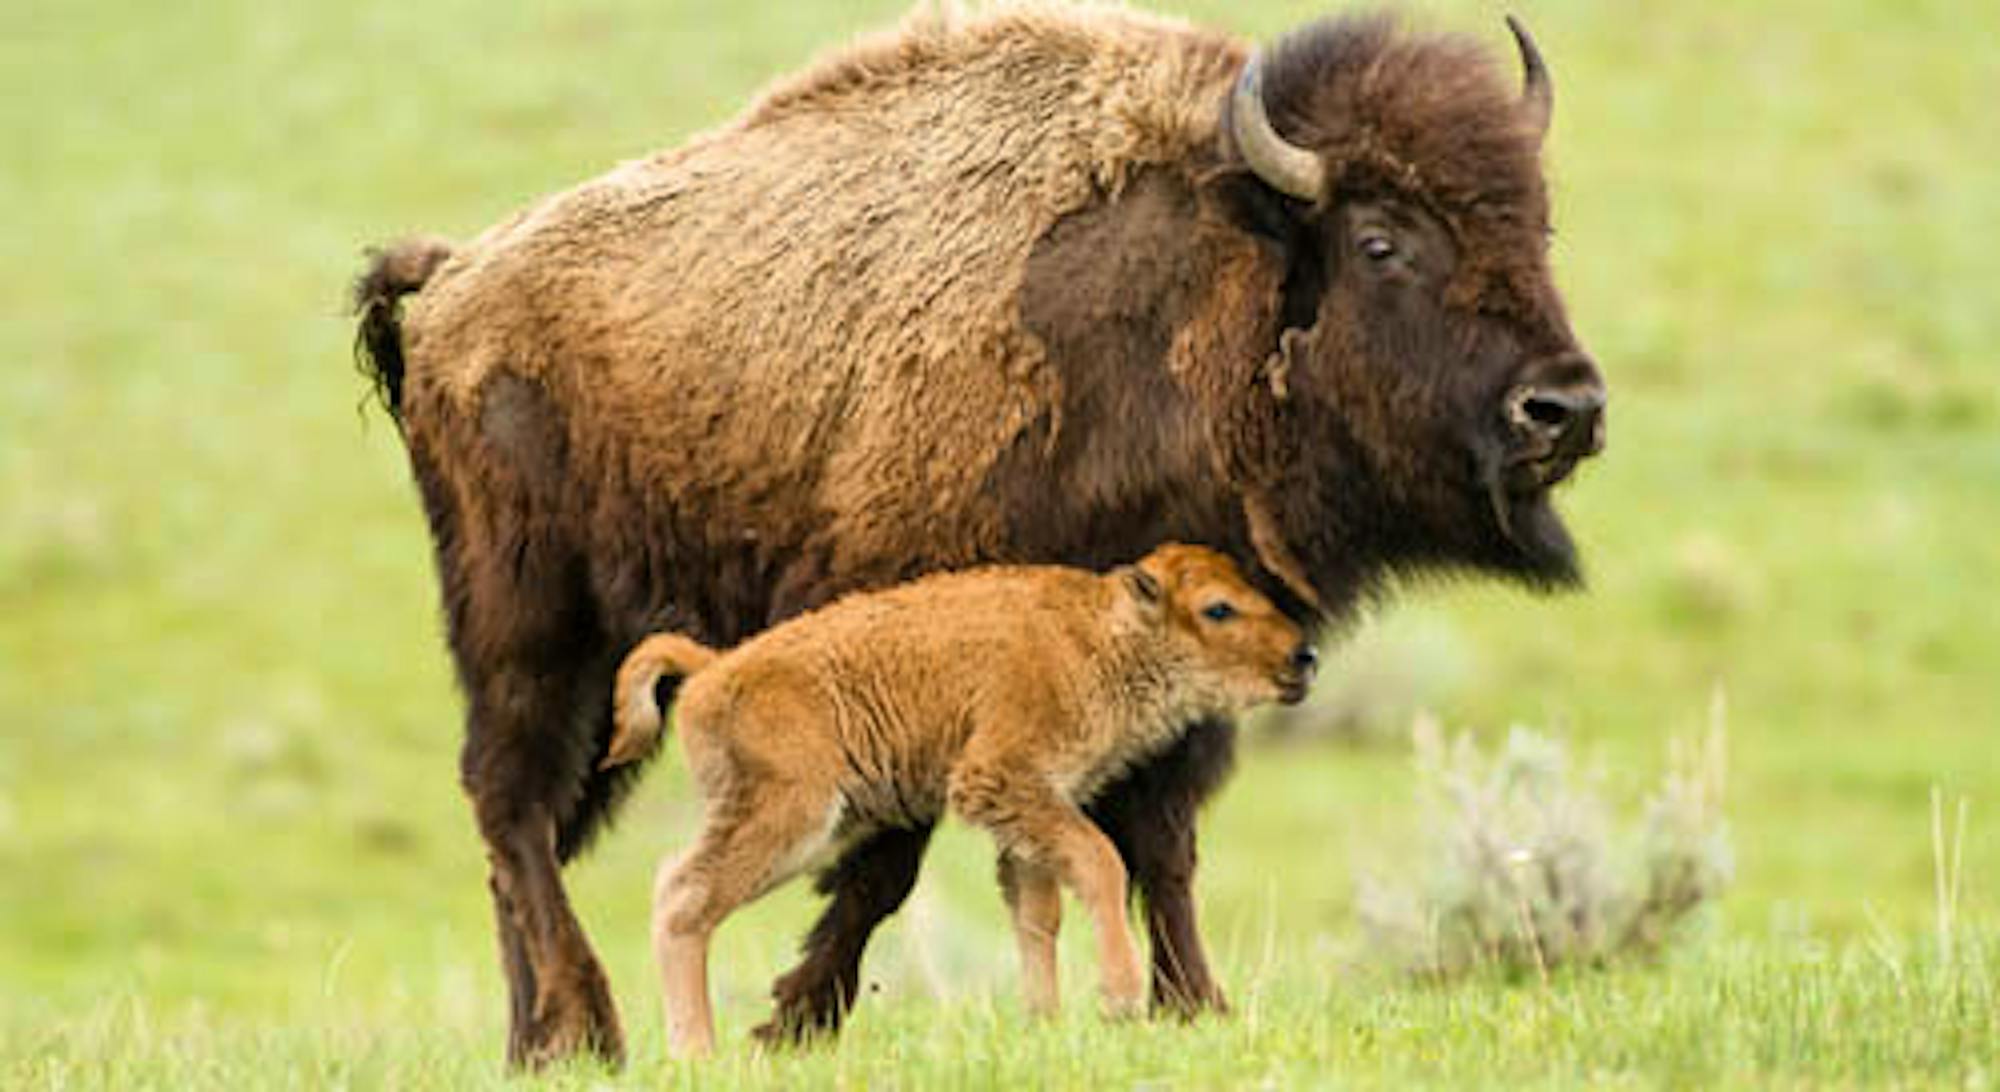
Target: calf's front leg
column 1150, row 815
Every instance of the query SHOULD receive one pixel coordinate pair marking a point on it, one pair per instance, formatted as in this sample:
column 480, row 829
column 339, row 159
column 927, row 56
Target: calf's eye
column 1218, row 612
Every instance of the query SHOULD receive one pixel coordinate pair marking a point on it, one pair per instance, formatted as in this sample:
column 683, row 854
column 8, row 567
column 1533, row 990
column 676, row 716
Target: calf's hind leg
column 1029, row 820
column 1036, row 905
column 746, row 847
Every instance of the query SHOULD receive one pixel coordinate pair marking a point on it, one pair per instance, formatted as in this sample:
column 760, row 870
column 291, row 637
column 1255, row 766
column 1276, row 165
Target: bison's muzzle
column 1555, row 420
column 1552, row 419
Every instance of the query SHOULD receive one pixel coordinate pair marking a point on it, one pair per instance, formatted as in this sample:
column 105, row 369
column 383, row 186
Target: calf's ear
column 1144, row 587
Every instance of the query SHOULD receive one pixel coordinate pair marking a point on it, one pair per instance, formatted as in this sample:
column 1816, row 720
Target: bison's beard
column 1533, row 546
column 1541, row 553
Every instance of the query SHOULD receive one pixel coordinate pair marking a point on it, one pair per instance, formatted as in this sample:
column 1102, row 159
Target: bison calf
column 1009, row 695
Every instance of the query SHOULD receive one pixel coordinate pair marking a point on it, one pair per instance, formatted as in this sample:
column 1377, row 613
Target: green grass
column 232, row 849
column 1736, row 1018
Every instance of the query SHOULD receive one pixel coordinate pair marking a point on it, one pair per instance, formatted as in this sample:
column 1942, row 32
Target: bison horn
column 1284, row 166
column 1537, row 93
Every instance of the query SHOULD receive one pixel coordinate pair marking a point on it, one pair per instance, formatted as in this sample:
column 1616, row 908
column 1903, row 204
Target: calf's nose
column 1304, row 659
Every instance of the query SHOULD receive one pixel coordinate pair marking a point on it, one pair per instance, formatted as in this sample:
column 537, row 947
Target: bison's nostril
column 1567, row 417
column 1546, row 412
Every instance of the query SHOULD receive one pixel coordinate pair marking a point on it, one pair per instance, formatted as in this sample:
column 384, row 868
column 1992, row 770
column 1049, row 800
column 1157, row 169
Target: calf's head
column 1224, row 634
column 1428, row 379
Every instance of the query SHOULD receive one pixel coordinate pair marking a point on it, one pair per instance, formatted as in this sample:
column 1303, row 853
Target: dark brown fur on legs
column 559, row 1000
column 1150, row 816
column 536, row 672
column 867, row 885
column 562, row 1004
column 514, row 964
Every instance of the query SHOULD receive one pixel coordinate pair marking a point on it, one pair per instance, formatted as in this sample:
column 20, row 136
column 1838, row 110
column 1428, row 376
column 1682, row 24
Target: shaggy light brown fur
column 877, row 350
column 1008, row 695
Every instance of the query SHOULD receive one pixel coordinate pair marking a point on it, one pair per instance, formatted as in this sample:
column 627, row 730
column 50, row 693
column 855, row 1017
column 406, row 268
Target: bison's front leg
column 867, row 885
column 1150, row 816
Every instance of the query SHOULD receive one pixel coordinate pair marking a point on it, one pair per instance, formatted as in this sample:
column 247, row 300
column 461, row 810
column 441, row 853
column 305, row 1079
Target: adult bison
column 1040, row 284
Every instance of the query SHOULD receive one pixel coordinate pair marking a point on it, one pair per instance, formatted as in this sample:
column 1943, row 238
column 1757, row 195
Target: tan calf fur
column 1008, row 695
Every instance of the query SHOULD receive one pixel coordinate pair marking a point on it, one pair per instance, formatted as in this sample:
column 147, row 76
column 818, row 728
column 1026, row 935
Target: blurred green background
column 227, row 766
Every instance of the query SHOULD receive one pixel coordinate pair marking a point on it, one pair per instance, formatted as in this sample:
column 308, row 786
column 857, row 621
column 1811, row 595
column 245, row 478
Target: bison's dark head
column 1434, row 389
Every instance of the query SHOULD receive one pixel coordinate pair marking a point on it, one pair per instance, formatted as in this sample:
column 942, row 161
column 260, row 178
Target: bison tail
column 394, row 271
column 636, row 714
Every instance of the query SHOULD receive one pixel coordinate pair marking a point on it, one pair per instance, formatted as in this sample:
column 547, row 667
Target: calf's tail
column 636, row 714
column 394, row 271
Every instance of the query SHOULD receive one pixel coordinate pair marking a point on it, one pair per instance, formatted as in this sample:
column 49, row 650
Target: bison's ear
column 1289, row 226
column 1254, row 207
column 1144, row 588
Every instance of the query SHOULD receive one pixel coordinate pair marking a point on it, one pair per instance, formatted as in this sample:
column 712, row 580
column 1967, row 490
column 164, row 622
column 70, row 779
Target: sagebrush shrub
column 1524, row 869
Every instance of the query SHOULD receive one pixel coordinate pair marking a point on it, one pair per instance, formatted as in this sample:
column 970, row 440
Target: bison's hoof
column 564, row 1030
column 792, row 1032
column 1177, row 1004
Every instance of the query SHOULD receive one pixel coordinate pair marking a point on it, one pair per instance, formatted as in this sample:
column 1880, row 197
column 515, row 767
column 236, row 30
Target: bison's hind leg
column 535, row 662
column 604, row 791
column 867, row 884
column 998, row 790
column 524, row 769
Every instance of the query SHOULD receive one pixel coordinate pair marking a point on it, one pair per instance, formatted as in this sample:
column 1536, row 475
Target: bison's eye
column 1377, row 248
column 1218, row 612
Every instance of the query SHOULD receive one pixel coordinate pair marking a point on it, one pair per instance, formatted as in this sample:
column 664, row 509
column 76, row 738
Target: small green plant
column 1524, row 869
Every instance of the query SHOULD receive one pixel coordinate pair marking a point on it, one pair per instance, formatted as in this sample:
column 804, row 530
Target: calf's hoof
column 1121, row 1004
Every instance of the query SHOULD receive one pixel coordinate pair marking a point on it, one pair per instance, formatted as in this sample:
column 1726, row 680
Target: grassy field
column 232, row 852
